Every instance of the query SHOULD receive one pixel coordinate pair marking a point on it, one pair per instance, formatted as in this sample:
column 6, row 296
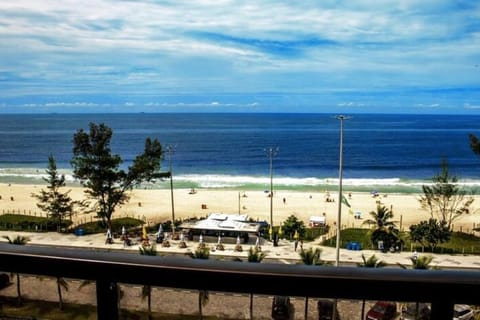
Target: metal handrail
column 441, row 288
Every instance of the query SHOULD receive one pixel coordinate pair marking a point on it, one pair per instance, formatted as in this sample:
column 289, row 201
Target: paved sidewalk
column 284, row 252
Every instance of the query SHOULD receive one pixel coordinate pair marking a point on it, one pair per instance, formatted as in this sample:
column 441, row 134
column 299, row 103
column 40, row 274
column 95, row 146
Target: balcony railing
column 441, row 288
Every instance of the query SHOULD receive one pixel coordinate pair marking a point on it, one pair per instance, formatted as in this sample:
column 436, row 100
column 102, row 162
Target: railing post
column 442, row 310
column 107, row 300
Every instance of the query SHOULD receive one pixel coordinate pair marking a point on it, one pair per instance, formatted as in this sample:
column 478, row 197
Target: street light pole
column 340, row 195
column 340, row 198
column 171, row 150
column 272, row 152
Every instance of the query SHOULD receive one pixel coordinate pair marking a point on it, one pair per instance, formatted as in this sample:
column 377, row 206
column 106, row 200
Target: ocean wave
column 246, row 182
column 213, row 181
column 31, row 174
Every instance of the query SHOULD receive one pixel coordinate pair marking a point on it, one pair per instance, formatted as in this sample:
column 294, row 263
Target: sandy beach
column 155, row 205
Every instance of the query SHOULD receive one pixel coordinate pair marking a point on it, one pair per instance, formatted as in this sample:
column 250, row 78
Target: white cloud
column 103, row 47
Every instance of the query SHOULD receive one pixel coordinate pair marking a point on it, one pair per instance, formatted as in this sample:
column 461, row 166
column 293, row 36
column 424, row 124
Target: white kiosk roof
column 222, row 221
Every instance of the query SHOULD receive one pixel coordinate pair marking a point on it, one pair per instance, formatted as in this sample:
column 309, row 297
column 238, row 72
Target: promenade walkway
column 283, row 253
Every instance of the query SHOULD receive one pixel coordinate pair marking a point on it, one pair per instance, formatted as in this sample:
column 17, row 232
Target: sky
column 360, row 56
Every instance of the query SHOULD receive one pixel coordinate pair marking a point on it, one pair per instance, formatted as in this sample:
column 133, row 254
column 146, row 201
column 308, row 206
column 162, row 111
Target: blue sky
column 240, row 56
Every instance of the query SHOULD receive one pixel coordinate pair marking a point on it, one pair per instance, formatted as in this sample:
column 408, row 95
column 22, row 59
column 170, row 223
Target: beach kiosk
column 228, row 226
column 317, row 221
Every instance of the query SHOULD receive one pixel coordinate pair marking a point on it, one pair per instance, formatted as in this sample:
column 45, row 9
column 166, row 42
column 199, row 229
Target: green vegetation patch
column 313, row 233
column 117, row 224
column 19, row 222
column 459, row 242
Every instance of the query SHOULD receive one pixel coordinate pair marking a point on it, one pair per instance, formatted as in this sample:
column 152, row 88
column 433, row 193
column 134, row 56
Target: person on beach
column 108, row 239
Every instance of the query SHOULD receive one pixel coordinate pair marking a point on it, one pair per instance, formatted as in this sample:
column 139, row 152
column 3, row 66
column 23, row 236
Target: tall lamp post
column 340, row 195
column 272, row 152
column 170, row 151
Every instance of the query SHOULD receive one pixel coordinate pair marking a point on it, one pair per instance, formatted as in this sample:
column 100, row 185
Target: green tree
column 55, row 203
column 99, row 170
column 385, row 229
column 445, row 200
column 430, row 233
column 371, row 262
column 293, row 224
column 202, row 252
column 254, row 256
column 146, row 250
column 18, row 240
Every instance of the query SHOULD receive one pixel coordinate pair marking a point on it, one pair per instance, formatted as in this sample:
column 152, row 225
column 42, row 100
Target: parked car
column 410, row 311
column 462, row 312
column 382, row 310
column 281, row 308
column 325, row 309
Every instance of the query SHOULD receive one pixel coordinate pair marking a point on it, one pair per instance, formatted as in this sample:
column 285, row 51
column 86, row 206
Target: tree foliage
column 420, row 263
column 371, row 262
column 255, row 255
column 99, row 170
column 147, row 250
column 58, row 205
column 445, row 199
column 291, row 225
column 385, row 229
column 312, row 257
column 430, row 233
column 18, row 240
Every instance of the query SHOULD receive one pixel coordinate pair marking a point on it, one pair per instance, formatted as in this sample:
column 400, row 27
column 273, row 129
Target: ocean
column 382, row 152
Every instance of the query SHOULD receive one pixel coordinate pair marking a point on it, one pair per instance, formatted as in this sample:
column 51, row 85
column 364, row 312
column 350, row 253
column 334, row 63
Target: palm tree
column 371, row 262
column 202, row 252
column 18, row 240
column 255, row 256
column 311, row 257
column 385, row 229
column 380, row 218
column 148, row 250
column 420, row 263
